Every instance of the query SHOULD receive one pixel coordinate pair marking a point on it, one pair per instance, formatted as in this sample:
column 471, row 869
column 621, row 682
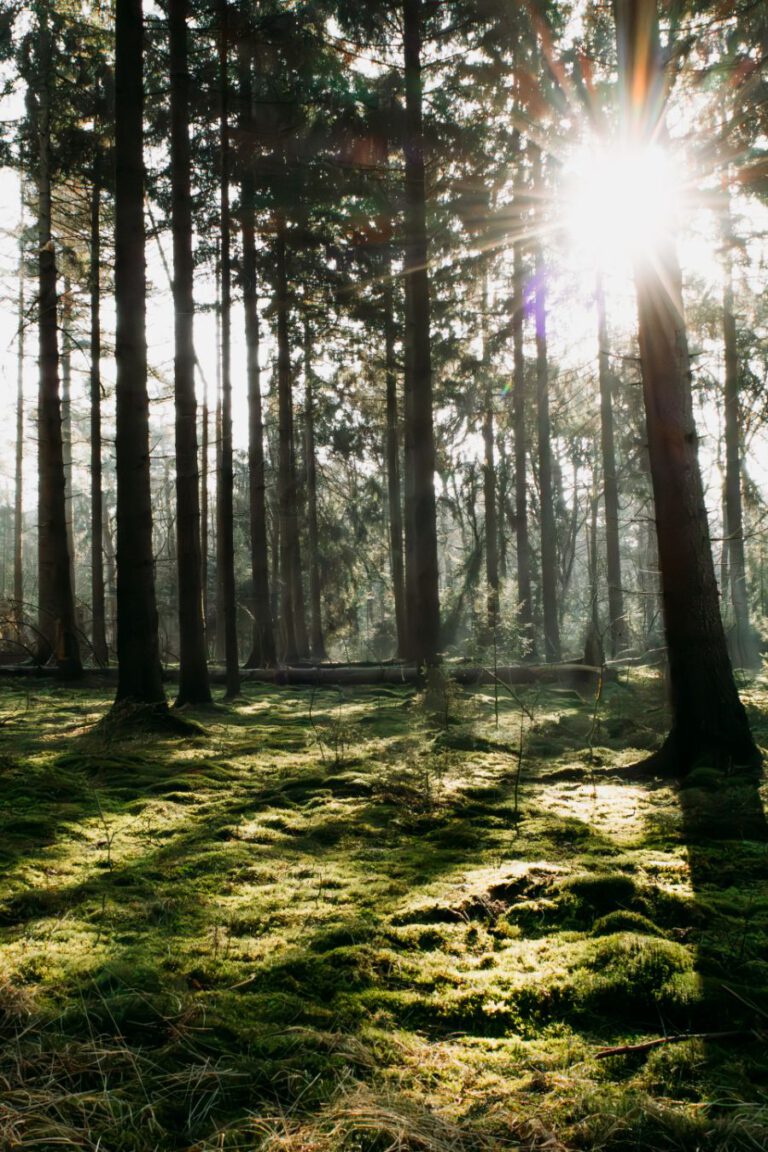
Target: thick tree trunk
column 225, row 519
column 708, row 719
column 316, row 637
column 263, row 651
column 194, row 687
column 422, row 568
column 392, row 456
column 56, row 629
column 98, row 608
column 617, row 621
column 548, row 528
column 139, row 676
column 745, row 649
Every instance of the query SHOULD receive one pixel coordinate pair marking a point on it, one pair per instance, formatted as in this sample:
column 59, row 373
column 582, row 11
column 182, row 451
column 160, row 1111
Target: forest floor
column 331, row 923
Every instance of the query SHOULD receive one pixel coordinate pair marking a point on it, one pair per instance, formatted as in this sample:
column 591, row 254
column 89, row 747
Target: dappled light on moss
column 402, row 941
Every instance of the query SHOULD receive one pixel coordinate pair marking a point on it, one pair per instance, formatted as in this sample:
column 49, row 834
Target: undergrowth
column 332, row 921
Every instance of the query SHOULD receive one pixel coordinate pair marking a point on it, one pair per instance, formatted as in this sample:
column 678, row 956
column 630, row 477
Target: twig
column 647, row 1045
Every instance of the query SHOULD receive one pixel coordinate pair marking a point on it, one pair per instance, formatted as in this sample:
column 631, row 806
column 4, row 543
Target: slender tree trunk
column 708, row 717
column 316, row 638
column 489, row 481
column 424, row 618
column 744, row 647
column 66, row 424
column 519, row 397
column 98, row 609
column 286, row 479
column 194, row 687
column 18, row 500
column 139, row 671
column 219, row 638
column 392, row 455
column 225, row 527
column 204, row 510
column 263, row 651
column 57, row 631
column 617, row 620
column 552, row 650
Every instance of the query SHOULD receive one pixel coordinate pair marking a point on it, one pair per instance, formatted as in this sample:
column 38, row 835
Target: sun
column 620, row 203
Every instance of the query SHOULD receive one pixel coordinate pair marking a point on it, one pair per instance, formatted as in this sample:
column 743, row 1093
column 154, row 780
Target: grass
column 319, row 922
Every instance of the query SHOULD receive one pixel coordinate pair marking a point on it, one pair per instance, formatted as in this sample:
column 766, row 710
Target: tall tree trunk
column 204, row 510
column 316, row 638
column 519, row 397
column 263, row 650
column 139, row 671
column 708, row 718
column 287, row 495
column 617, row 621
column 424, row 619
column 489, row 481
column 18, row 493
column 98, row 608
column 225, row 526
column 552, row 649
column 744, row 646
column 194, row 686
column 392, row 456
column 66, row 424
column 219, row 637
column 57, row 630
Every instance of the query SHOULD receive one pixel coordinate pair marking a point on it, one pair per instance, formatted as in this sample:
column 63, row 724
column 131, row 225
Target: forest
column 383, row 575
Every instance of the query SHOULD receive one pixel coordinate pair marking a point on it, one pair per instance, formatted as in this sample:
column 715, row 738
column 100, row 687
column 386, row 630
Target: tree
column 708, row 719
column 139, row 671
column 194, row 687
column 56, row 629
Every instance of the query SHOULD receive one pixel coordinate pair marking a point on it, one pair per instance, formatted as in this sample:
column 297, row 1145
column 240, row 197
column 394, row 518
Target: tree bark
column 424, row 601
column 617, row 621
column 18, row 493
column 56, row 629
column 316, row 637
column 98, row 607
column 139, row 674
column 708, row 719
column 519, row 397
column 66, row 426
column 287, row 494
column 194, row 686
column 263, row 650
column 745, row 650
column 489, row 481
column 392, row 456
column 225, row 511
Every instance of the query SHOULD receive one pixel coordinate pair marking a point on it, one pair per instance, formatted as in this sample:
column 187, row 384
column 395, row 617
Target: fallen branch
column 647, row 1045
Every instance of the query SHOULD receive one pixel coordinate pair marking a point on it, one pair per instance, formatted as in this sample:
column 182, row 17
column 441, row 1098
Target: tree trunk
column 617, row 621
column 57, row 631
column 98, row 608
column 424, row 618
column 194, row 687
column 489, row 482
column 287, row 494
column 316, row 638
column 519, row 396
column 263, row 652
column 548, row 528
column 18, row 501
column 66, row 425
column 139, row 675
column 225, row 526
column 745, row 649
column 219, row 637
column 708, row 719
column 392, row 456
